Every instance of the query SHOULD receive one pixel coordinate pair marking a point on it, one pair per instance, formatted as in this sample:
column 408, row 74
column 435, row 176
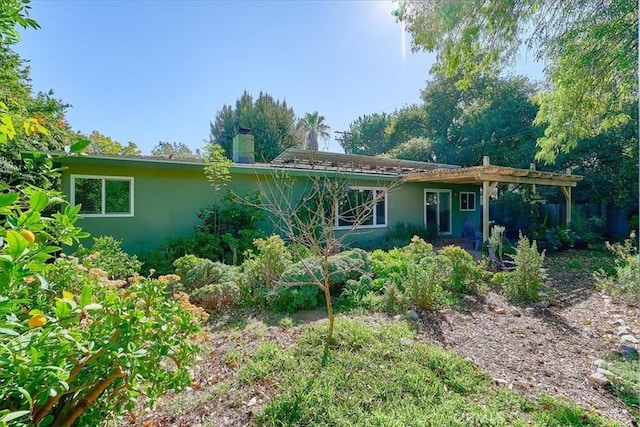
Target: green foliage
column 217, row 166
column 291, row 299
column 465, row 276
column 313, row 126
column 202, row 245
column 590, row 50
column 348, row 265
column 107, row 254
column 626, row 383
column 624, row 282
column 358, row 295
column 261, row 271
column 211, row 285
column 85, row 355
column 14, row 13
column 101, row 144
column 418, row 148
column 271, row 122
column 524, row 283
column 174, row 150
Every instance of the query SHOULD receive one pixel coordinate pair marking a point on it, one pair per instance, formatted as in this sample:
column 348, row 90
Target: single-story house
column 144, row 200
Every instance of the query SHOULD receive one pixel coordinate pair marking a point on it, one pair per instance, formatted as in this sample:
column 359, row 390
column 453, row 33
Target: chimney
column 243, row 146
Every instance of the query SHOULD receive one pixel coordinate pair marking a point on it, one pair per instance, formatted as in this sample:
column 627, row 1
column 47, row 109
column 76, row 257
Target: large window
column 362, row 207
column 467, row 201
column 102, row 195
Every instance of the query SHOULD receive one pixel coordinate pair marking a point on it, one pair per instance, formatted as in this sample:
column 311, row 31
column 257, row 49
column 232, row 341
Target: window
column 467, row 201
column 102, row 195
column 362, row 207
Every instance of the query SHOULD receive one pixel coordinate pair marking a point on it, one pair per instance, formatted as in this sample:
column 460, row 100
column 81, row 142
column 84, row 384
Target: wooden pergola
column 489, row 176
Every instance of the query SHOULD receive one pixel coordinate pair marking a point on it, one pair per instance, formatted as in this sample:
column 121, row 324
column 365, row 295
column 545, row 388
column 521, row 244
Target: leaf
column 93, row 306
column 63, row 309
column 85, row 296
column 11, row 332
column 67, row 295
column 17, row 244
column 14, row 415
column 80, row 145
column 7, row 199
column 39, row 201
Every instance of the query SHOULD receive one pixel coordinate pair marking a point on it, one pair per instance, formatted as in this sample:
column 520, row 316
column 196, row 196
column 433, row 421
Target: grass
column 379, row 376
column 627, row 384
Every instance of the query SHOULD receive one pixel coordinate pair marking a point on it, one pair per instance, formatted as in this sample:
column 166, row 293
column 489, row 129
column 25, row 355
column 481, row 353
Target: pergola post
column 487, row 188
column 567, row 200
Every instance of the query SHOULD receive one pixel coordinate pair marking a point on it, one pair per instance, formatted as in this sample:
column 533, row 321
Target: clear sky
column 149, row 71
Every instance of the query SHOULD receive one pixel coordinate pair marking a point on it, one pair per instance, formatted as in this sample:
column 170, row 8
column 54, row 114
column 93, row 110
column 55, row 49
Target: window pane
column 380, row 209
column 118, row 198
column 464, row 201
column 88, row 193
column 472, row 201
column 356, row 208
column 445, row 203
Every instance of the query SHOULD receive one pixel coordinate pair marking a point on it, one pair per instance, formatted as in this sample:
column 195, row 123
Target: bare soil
column 542, row 350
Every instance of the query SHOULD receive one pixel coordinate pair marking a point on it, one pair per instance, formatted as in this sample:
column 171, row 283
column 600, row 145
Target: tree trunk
column 327, row 294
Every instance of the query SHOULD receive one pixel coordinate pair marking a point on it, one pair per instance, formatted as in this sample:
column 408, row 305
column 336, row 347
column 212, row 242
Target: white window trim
column 424, row 208
column 374, row 225
column 104, row 178
column 474, row 201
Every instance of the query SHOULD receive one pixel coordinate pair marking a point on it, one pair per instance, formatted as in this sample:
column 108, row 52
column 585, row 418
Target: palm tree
column 312, row 124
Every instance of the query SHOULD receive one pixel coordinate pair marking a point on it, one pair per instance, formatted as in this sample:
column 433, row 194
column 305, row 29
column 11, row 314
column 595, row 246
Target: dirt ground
column 533, row 350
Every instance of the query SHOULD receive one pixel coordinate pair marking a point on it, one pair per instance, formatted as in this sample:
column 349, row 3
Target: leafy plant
column 465, row 276
column 107, row 254
column 523, row 284
column 211, row 285
column 76, row 357
column 262, row 269
column 624, row 282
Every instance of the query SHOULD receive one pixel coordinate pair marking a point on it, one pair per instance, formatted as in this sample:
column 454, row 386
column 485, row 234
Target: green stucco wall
column 168, row 194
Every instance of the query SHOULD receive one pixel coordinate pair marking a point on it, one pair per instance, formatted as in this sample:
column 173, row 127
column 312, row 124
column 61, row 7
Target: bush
column 523, row 284
column 211, row 285
column 465, row 276
column 80, row 356
column 423, row 286
column 624, row 282
column 392, row 266
column 201, row 245
column 294, row 298
column 262, row 270
column 107, row 254
column 359, row 294
column 348, row 265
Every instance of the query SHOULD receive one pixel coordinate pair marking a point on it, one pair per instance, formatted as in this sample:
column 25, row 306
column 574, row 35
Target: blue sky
column 149, row 71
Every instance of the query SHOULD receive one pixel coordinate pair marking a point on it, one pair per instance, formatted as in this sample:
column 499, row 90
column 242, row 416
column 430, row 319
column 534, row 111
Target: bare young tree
column 319, row 210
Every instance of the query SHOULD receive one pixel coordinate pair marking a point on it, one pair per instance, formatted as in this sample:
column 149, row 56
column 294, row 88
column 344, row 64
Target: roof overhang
column 491, row 173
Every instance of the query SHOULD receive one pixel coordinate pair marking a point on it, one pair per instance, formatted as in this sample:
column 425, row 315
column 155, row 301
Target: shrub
column 107, row 254
column 201, row 245
column 523, row 284
column 81, row 356
column 348, row 265
column 359, row 294
column 294, row 298
column 465, row 276
column 392, row 266
column 211, row 285
column 624, row 282
column 423, row 286
column 263, row 268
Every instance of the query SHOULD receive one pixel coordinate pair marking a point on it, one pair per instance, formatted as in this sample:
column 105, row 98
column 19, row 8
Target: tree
column 406, row 123
column 174, row 150
column 271, row 121
column 313, row 126
column 367, row 136
column 492, row 117
column 318, row 219
column 591, row 48
column 101, row 144
column 14, row 13
column 419, row 149
column 38, row 121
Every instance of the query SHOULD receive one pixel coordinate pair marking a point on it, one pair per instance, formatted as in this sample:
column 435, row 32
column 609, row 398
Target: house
column 144, row 200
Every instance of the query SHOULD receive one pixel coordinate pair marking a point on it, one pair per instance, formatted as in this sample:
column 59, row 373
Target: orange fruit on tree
column 37, row 320
column 28, row 235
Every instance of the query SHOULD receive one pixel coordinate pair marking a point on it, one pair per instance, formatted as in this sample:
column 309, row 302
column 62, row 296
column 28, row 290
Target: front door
column 437, row 210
